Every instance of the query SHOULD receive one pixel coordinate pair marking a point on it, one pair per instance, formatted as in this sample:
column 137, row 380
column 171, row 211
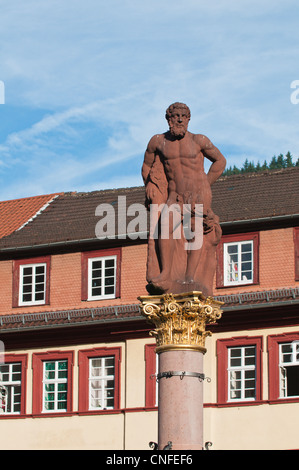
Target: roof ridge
column 103, row 191
column 237, row 200
column 31, row 197
column 137, row 188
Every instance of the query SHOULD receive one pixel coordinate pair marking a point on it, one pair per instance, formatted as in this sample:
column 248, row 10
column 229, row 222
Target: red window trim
column 222, row 364
column 273, row 365
column 16, row 278
column 37, row 392
column 296, row 248
column 85, row 256
column 254, row 236
column 150, row 371
column 23, row 359
column 84, row 356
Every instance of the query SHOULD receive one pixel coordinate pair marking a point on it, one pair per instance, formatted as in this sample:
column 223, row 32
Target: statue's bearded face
column 178, row 122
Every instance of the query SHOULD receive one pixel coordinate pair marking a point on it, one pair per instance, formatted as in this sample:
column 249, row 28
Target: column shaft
column 180, row 417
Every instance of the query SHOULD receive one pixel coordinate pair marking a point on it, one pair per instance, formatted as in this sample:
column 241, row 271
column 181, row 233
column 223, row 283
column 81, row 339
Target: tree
column 245, row 166
column 258, row 167
column 275, row 163
column 288, row 160
column 280, row 162
column 251, row 167
column 265, row 165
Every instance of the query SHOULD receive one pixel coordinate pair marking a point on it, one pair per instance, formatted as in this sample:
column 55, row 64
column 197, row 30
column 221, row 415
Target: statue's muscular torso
column 184, row 168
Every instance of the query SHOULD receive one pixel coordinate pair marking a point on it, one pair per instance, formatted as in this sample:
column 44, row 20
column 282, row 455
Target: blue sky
column 87, row 84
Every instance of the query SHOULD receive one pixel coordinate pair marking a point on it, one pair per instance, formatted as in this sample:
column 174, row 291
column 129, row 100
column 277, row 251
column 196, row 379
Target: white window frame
column 294, row 362
column 34, row 266
column 102, row 380
column 8, row 389
column 103, row 259
column 56, row 381
column 242, row 369
column 226, row 260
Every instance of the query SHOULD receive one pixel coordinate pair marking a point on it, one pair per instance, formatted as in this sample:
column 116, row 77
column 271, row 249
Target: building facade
column 78, row 363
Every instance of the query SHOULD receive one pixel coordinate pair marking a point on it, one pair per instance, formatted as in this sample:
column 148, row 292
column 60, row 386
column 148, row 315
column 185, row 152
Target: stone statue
column 174, row 177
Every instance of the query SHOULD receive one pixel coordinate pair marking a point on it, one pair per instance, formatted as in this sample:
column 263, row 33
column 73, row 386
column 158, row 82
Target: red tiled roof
column 15, row 213
column 248, row 196
column 71, row 217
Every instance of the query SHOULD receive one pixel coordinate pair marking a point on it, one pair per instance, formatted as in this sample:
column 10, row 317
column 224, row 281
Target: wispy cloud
column 104, row 72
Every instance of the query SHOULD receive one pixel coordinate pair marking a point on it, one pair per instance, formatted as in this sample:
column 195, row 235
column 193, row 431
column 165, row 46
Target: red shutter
column 16, row 277
column 222, row 364
column 84, row 274
column 219, row 265
column 254, row 236
column 84, row 356
column 15, row 283
column 37, row 378
column 98, row 254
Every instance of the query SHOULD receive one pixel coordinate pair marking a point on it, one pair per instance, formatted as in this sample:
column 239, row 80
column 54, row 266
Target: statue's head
column 178, row 116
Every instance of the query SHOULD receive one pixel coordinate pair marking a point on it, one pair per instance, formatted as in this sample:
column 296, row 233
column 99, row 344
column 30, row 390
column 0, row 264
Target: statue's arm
column 213, row 154
column 149, row 158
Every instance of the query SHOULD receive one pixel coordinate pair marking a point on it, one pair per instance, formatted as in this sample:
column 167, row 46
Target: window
column 52, row 382
column 101, row 278
column 32, row 284
column 99, row 379
column 13, row 385
column 101, row 383
column 151, row 369
column 238, row 263
column 31, row 281
column 284, row 366
column 241, row 373
column 237, row 260
column 55, row 385
column 10, row 380
column 239, row 369
column 289, row 369
column 101, row 274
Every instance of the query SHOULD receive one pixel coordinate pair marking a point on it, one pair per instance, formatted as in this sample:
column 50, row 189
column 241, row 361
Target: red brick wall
column 5, row 286
column 276, row 263
column 277, row 259
column 276, row 271
column 65, row 282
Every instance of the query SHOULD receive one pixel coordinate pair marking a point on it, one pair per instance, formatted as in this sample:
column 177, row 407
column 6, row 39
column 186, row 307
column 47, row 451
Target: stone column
column 180, row 329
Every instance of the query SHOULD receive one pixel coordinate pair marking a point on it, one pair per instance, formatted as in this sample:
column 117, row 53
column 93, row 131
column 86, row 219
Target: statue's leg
column 166, row 246
column 171, row 228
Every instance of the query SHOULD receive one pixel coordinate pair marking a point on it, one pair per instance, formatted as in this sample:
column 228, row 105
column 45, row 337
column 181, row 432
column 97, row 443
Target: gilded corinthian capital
column 180, row 319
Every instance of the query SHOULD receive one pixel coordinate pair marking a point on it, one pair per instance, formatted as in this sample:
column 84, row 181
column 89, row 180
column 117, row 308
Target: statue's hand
column 151, row 191
column 212, row 226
